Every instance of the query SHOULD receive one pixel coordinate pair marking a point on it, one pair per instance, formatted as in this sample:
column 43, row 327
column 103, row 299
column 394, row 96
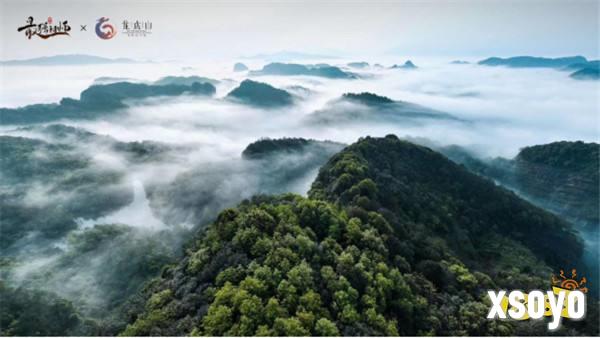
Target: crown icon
column 570, row 283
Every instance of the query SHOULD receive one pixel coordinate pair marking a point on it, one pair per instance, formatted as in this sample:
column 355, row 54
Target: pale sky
column 189, row 30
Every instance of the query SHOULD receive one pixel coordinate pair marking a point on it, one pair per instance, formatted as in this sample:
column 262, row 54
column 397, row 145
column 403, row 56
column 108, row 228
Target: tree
column 218, row 320
column 290, row 327
column 326, row 328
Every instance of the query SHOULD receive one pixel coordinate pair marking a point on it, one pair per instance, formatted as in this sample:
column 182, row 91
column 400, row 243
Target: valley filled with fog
column 94, row 207
column 509, row 108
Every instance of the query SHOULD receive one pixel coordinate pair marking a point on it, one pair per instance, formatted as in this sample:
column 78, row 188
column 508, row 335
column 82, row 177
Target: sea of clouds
column 506, row 109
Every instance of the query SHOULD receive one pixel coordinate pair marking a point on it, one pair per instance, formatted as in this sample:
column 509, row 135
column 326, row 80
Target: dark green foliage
column 367, row 98
column 394, row 240
column 97, row 100
column 572, row 156
column 261, row 95
column 98, row 272
column 78, row 189
column 24, row 158
column 498, row 169
column 265, row 147
column 279, row 266
column 272, row 147
column 420, row 189
column 36, row 313
column 45, row 187
column 564, row 176
column 111, row 95
column 130, row 258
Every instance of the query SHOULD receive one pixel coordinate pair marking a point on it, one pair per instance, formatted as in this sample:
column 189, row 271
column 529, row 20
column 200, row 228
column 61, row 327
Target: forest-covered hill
column 393, row 239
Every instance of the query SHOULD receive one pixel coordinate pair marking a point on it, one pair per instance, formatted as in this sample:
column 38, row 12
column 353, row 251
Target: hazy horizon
column 202, row 30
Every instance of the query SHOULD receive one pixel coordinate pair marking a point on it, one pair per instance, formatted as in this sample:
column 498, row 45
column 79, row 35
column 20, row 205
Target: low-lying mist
column 100, row 209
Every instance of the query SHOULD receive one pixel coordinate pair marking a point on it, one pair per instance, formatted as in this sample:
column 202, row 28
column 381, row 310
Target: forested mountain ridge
column 260, row 94
column 417, row 185
column 563, row 177
column 267, row 147
column 292, row 69
column 353, row 108
column 394, row 239
column 29, row 163
column 98, row 100
column 68, row 270
column 533, row 61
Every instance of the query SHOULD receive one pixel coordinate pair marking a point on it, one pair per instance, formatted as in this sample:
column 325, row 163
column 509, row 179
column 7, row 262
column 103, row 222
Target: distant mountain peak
column 358, row 65
column 66, row 60
column 367, row 98
column 407, row 65
column 533, row 61
column 293, row 69
column 260, row 94
column 240, row 67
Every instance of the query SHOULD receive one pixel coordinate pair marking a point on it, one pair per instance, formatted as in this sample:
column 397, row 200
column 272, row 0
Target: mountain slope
column 267, row 166
column 372, row 108
column 533, row 61
column 586, row 74
column 292, row 69
column 184, row 80
column 260, row 95
column 419, row 186
column 565, row 176
column 67, row 184
column 562, row 177
column 97, row 100
column 394, row 239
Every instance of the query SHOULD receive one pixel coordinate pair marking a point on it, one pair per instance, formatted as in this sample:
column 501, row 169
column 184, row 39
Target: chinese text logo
column 137, row 28
column 46, row 29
